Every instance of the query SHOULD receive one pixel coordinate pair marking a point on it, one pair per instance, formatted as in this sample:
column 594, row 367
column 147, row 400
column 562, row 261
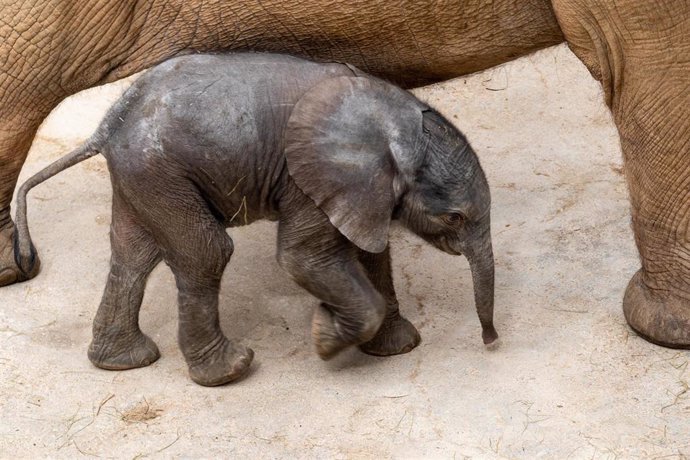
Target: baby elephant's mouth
column 445, row 246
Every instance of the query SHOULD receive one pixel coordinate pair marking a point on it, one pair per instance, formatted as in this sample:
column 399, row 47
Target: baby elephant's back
column 221, row 105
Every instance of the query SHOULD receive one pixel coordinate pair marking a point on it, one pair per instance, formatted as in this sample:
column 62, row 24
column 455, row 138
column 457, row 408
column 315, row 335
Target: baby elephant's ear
column 344, row 139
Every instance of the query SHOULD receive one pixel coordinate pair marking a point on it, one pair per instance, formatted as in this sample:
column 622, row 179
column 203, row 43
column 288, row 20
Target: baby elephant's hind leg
column 197, row 248
column 118, row 343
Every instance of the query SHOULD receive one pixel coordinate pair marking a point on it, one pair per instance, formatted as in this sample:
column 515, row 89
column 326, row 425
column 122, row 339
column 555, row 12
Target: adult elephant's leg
column 396, row 335
column 15, row 140
column 638, row 50
column 654, row 124
column 37, row 71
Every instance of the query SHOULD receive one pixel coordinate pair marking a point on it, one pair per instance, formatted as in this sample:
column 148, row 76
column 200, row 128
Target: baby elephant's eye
column 453, row 218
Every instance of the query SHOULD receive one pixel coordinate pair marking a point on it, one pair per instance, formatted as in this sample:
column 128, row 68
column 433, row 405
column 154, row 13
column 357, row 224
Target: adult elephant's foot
column 396, row 336
column 660, row 319
column 116, row 352
column 220, row 362
column 10, row 271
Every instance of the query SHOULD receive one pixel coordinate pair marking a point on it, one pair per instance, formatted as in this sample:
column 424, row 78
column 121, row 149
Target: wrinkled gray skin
column 205, row 142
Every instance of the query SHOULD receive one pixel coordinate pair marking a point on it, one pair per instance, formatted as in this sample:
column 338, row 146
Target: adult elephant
column 638, row 49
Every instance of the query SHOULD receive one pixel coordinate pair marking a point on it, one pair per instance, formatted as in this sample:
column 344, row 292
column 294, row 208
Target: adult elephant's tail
column 24, row 251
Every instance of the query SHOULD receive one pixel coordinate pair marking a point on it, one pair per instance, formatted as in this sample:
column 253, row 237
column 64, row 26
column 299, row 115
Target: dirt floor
column 569, row 380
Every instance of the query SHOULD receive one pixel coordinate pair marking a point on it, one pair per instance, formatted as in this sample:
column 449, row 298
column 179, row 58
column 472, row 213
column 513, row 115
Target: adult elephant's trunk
column 481, row 258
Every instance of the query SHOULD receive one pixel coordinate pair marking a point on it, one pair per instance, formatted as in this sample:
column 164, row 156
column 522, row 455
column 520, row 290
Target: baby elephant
column 205, row 142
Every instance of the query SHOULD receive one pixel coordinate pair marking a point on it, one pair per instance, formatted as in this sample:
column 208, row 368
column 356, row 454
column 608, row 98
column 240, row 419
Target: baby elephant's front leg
column 396, row 335
column 323, row 262
column 353, row 320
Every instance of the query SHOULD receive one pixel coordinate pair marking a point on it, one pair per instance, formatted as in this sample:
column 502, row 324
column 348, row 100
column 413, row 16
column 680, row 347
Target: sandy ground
column 570, row 379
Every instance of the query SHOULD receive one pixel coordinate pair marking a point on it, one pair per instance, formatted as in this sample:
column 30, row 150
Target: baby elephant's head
column 366, row 152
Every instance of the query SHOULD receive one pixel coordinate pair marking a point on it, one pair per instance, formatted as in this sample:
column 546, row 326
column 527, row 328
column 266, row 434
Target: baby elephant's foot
column 331, row 336
column 118, row 352
column 325, row 333
column 396, row 336
column 219, row 363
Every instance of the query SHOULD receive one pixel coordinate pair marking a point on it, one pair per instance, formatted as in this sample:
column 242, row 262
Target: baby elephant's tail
column 24, row 252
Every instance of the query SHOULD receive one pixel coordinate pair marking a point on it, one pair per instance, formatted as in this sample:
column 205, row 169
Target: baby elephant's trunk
column 24, row 251
column 481, row 259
